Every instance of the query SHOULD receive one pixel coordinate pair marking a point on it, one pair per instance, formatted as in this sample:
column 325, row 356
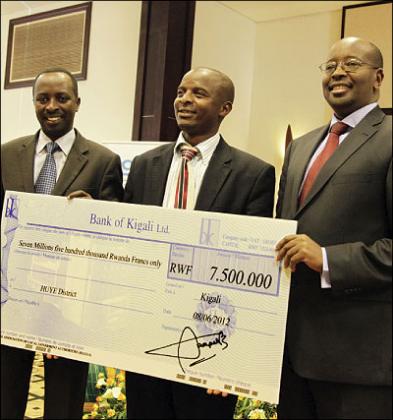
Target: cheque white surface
column 190, row 296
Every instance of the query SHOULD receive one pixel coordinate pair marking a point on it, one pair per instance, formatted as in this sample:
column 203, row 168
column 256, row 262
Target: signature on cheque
column 189, row 347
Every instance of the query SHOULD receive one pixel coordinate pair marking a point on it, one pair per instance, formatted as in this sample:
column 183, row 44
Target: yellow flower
column 121, row 397
column 108, row 394
column 93, row 414
column 101, row 375
column 111, row 372
column 257, row 414
column 85, row 416
column 110, row 381
column 256, row 403
column 99, row 398
column 111, row 412
column 120, row 376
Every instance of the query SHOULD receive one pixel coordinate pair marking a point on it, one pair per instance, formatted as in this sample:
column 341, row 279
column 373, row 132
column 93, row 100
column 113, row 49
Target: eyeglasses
column 350, row 65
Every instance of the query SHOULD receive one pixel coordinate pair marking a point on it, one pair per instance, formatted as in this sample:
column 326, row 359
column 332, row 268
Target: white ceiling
column 9, row 6
column 258, row 11
column 261, row 11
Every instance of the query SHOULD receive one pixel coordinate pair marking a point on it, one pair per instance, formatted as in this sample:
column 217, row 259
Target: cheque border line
column 146, row 239
column 171, row 244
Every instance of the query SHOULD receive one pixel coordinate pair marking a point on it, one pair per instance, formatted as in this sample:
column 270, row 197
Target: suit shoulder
column 249, row 159
column 387, row 122
column 16, row 143
column 98, row 148
column 157, row 151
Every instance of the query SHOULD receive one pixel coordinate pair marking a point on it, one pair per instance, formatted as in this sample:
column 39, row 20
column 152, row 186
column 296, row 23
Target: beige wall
column 225, row 40
column 106, row 111
column 287, row 82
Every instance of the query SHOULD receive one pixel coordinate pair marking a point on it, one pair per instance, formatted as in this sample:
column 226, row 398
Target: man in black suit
column 224, row 180
column 338, row 354
column 81, row 164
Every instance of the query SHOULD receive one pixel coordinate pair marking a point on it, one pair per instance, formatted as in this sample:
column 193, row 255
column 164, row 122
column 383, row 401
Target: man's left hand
column 216, row 392
column 294, row 249
column 50, row 356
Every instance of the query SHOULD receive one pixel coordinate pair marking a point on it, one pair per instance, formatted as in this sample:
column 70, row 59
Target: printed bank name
column 128, row 223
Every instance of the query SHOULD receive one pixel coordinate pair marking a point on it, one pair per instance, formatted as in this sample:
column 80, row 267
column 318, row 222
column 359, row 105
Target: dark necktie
column 336, row 130
column 182, row 186
column 47, row 177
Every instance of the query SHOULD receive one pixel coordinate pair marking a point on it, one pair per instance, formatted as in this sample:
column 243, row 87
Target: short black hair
column 59, row 70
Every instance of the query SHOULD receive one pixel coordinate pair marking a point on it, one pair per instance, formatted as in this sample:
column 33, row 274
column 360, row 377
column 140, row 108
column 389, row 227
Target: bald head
column 223, row 84
column 366, row 48
column 348, row 89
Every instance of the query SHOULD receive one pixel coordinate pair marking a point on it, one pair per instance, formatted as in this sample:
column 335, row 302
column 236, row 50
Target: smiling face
column 201, row 104
column 55, row 103
column 347, row 92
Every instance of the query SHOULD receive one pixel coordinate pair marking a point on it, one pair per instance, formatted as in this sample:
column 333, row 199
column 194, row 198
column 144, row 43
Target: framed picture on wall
column 373, row 21
column 56, row 38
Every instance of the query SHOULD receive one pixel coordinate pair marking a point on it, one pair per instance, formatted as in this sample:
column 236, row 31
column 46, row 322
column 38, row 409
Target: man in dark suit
column 224, row 180
column 337, row 359
column 81, row 164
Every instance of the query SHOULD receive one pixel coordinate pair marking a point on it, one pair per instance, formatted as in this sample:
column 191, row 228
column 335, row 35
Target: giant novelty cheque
column 191, row 296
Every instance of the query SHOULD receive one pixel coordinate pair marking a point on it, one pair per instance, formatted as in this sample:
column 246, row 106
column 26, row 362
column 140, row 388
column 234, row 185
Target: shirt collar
column 206, row 148
column 65, row 142
column 354, row 119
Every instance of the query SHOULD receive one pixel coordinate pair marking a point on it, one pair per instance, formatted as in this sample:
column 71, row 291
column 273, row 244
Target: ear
column 226, row 108
column 379, row 75
column 78, row 102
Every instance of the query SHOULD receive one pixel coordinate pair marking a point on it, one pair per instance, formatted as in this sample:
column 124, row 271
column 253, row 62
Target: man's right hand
column 79, row 194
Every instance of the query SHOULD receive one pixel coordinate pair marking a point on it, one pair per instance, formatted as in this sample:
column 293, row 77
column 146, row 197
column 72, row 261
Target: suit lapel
column 26, row 162
column 216, row 173
column 306, row 148
column 357, row 137
column 75, row 162
column 160, row 169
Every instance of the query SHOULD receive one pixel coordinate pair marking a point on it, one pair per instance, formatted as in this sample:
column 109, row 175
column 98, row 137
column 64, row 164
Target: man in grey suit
column 337, row 359
column 224, row 180
column 81, row 164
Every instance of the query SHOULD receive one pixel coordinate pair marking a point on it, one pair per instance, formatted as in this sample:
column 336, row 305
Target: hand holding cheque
column 194, row 297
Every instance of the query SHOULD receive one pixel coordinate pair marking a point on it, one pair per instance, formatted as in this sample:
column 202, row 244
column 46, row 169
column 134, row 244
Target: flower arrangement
column 247, row 408
column 111, row 398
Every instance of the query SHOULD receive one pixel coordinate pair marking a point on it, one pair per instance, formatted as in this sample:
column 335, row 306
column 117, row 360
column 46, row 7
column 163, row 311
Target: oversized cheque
column 190, row 296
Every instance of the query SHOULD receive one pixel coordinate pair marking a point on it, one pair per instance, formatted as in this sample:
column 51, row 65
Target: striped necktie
column 46, row 180
column 183, row 181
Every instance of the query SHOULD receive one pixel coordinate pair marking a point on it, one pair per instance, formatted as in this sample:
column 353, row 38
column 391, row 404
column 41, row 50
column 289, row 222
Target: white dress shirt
column 65, row 143
column 197, row 168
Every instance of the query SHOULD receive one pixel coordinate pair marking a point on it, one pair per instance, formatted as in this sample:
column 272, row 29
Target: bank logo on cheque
column 210, row 232
column 11, row 207
column 11, row 225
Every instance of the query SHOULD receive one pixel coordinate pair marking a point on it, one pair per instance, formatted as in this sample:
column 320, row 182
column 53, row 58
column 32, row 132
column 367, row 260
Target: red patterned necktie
column 187, row 153
column 336, row 130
